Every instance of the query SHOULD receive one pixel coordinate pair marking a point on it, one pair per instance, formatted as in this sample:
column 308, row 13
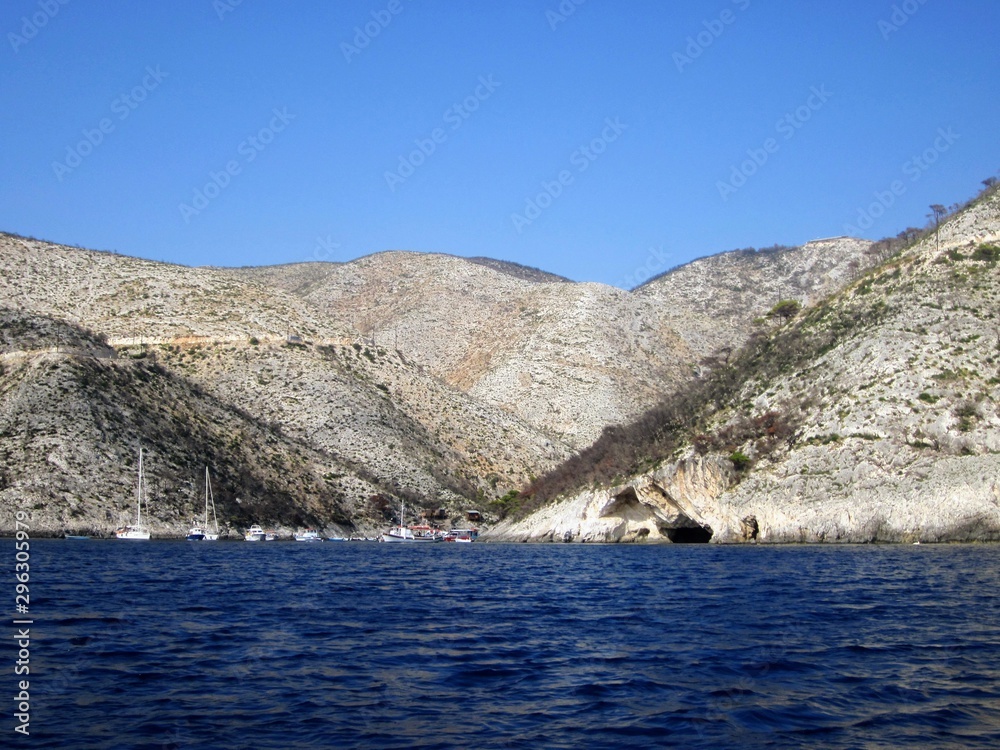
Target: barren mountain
column 367, row 421
column 72, row 418
column 126, row 298
column 568, row 358
column 871, row 417
column 712, row 302
column 443, row 380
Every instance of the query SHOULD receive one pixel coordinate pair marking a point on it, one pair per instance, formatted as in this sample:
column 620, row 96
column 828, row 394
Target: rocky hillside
column 567, row 358
column 870, row 417
column 72, row 418
column 127, row 298
column 440, row 380
column 712, row 302
column 303, row 435
column 367, row 422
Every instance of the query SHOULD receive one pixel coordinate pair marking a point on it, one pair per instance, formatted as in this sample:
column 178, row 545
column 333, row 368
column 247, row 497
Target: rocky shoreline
column 698, row 499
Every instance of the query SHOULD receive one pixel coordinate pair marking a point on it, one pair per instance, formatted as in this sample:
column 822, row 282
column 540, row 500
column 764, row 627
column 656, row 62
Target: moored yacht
column 254, row 534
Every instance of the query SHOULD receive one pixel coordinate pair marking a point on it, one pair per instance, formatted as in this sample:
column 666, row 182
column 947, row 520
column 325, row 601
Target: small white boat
column 204, row 533
column 397, row 534
column 270, row 536
column 133, row 533
column 462, row 536
column 254, row 534
column 309, row 535
column 136, row 532
column 404, row 533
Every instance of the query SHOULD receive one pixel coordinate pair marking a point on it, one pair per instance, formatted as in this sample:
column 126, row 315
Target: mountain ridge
column 871, row 416
column 445, row 381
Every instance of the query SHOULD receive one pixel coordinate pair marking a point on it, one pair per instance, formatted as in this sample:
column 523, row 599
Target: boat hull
column 133, row 535
column 254, row 534
column 397, row 539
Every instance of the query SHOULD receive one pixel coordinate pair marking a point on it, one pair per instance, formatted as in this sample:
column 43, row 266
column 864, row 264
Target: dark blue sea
column 360, row 645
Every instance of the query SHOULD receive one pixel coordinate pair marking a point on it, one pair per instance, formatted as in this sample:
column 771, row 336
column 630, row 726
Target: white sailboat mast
column 210, row 498
column 206, row 498
column 138, row 512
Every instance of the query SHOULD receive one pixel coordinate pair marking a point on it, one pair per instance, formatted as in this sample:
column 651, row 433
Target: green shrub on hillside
column 989, row 253
column 740, row 460
column 507, row 505
column 786, row 309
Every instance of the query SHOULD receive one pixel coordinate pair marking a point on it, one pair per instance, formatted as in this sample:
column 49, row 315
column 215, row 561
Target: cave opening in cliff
column 690, row 535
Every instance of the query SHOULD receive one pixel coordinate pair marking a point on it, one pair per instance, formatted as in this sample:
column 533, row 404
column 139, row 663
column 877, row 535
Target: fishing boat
column 136, row 532
column 270, row 536
column 254, row 534
column 205, row 533
column 309, row 535
column 404, row 533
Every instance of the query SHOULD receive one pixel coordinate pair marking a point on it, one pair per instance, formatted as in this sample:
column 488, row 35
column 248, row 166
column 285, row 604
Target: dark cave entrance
column 690, row 535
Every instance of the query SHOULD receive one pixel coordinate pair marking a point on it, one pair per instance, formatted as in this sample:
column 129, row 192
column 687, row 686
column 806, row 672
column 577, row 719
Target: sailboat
column 203, row 533
column 137, row 532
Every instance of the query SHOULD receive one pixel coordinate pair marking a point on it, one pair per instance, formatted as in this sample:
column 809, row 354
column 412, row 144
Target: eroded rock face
column 899, row 437
column 676, row 503
column 696, row 499
column 849, row 493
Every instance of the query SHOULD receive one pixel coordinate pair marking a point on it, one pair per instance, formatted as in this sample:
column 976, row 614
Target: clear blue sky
column 321, row 127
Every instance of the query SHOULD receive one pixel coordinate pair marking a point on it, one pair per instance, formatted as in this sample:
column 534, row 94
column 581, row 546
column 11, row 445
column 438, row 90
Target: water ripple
column 493, row 646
